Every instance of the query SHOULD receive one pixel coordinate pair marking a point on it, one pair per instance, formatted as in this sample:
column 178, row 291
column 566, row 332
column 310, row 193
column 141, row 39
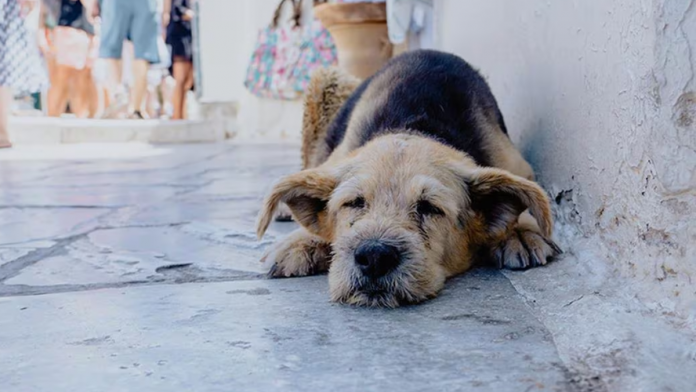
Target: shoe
column 136, row 115
column 118, row 108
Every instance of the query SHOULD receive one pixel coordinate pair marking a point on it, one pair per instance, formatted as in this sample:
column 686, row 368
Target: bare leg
column 91, row 94
column 60, row 90
column 140, row 68
column 104, row 98
column 187, row 87
column 83, row 96
column 5, row 104
column 150, row 99
column 114, row 77
column 167, row 86
column 115, row 100
column 182, row 69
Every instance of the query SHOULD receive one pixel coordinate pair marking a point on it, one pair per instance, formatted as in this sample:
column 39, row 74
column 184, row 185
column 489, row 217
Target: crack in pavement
column 14, row 267
column 60, row 248
column 24, row 290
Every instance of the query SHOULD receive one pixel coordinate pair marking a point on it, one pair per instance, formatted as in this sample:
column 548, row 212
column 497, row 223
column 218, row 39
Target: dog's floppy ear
column 306, row 193
column 500, row 197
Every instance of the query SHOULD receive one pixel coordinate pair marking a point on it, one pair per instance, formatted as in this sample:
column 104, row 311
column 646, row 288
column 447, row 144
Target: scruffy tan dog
column 410, row 178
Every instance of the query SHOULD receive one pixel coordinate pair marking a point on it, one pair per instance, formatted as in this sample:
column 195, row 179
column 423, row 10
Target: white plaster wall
column 223, row 39
column 601, row 97
column 228, row 31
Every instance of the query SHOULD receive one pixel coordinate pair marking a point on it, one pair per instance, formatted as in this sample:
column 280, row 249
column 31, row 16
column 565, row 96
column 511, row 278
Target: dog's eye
column 357, row 203
column 425, row 207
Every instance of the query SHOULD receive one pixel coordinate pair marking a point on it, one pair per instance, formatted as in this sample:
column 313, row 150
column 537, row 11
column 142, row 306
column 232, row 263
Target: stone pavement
column 135, row 268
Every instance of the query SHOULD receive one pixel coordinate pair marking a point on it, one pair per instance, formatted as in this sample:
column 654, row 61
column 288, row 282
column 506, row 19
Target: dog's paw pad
column 524, row 249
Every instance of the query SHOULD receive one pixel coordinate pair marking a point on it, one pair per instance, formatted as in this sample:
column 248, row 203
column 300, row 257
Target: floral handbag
column 285, row 57
column 317, row 51
column 276, row 51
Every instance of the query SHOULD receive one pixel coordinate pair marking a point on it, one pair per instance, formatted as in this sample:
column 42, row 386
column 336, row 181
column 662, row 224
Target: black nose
column 376, row 259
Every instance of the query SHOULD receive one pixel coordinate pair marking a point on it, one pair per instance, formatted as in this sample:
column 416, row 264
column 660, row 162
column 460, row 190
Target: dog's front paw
column 524, row 249
column 300, row 254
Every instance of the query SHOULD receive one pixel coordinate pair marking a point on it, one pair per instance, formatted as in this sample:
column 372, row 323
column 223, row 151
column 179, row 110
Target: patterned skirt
column 21, row 66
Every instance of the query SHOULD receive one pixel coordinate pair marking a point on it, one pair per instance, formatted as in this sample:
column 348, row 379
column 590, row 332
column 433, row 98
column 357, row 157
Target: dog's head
column 402, row 213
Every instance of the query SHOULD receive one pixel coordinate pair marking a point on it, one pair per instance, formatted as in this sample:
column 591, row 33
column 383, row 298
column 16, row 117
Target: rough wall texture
column 601, row 97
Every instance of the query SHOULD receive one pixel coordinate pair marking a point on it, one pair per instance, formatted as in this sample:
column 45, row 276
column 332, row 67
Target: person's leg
column 114, row 77
column 168, row 85
column 5, row 107
column 188, row 86
column 63, row 78
column 189, row 77
column 114, row 29
column 154, row 78
column 140, row 68
column 181, row 69
column 83, row 97
column 91, row 93
column 102, row 96
column 150, row 107
column 144, row 31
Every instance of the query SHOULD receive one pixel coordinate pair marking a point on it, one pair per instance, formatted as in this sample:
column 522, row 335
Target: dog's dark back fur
column 433, row 93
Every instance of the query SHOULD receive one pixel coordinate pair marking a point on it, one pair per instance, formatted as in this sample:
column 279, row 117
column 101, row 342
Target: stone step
column 45, row 130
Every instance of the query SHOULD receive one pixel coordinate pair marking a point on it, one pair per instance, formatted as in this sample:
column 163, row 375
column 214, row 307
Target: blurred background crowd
column 97, row 58
column 136, row 59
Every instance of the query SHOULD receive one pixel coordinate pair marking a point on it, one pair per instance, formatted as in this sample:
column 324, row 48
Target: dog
column 409, row 178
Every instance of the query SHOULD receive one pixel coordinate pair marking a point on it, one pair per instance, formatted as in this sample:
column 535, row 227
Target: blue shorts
column 135, row 20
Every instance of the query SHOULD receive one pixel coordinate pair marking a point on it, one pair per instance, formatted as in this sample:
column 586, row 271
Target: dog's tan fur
column 327, row 91
column 392, row 173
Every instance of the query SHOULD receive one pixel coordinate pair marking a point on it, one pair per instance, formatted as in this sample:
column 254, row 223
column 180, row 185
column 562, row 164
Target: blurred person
column 21, row 68
column 48, row 14
column 98, row 73
column 154, row 100
column 159, row 93
column 135, row 20
column 177, row 16
column 71, row 53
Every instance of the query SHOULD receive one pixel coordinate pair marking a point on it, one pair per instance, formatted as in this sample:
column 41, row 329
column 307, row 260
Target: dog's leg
column 525, row 246
column 299, row 254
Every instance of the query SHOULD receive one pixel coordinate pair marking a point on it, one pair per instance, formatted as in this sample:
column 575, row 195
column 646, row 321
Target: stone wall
column 601, row 97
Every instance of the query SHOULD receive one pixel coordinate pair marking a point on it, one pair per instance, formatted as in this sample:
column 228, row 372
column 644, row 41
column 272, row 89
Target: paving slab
column 267, row 335
column 21, row 225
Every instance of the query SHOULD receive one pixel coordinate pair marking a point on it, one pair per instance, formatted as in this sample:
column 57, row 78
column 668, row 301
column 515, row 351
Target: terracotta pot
column 360, row 33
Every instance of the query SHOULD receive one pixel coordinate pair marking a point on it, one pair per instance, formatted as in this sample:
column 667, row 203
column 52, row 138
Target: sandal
column 118, row 109
column 136, row 115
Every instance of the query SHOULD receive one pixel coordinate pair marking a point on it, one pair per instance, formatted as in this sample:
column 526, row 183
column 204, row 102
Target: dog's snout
column 376, row 259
